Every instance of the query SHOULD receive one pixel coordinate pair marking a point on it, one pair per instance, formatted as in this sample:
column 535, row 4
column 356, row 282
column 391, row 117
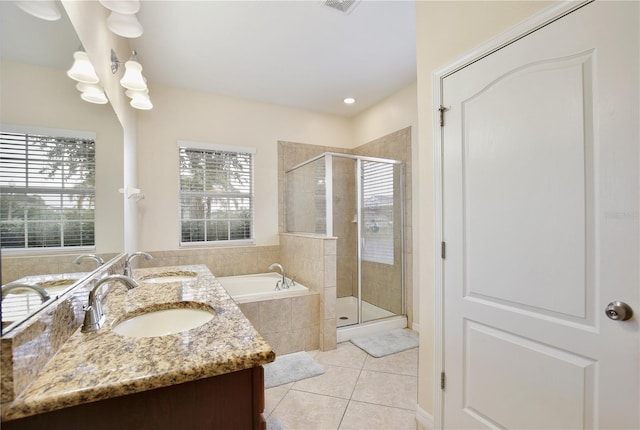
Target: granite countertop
column 102, row 365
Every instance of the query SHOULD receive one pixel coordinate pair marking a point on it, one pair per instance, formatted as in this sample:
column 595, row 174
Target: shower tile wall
column 291, row 154
column 306, row 199
column 18, row 266
column 396, row 146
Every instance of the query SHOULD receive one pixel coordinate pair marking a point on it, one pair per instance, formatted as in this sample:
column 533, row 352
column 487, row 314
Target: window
column 47, row 188
column 377, row 206
column 216, row 193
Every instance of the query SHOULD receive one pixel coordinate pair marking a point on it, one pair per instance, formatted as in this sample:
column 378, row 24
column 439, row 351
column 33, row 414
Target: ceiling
column 297, row 53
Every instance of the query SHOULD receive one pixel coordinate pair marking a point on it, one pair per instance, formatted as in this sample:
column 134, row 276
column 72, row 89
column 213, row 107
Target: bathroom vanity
column 207, row 377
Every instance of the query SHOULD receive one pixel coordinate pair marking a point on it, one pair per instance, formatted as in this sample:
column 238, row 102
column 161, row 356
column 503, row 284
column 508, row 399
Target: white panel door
column 540, row 175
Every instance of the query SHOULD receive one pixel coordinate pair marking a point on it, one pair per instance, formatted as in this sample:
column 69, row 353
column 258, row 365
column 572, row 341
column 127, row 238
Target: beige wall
column 204, row 117
column 445, row 30
column 398, row 111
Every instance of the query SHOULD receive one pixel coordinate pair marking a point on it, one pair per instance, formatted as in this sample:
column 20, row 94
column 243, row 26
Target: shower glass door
column 381, row 238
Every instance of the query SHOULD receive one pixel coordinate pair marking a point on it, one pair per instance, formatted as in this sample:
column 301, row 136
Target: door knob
column 618, row 311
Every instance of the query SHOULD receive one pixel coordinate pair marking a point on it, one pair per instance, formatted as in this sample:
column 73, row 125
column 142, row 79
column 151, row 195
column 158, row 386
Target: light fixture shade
column 125, row 7
column 141, row 100
column 82, row 70
column 133, row 93
column 132, row 78
column 43, row 9
column 124, row 25
column 92, row 93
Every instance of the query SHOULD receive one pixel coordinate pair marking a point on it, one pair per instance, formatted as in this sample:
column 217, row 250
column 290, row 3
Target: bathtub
column 251, row 288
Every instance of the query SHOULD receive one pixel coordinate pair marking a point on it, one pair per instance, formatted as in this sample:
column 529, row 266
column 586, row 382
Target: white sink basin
column 163, row 322
column 177, row 276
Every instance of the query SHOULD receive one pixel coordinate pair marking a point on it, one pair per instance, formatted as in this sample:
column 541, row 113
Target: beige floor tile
column 399, row 391
column 313, row 353
column 402, row 363
column 308, row 411
column 346, row 354
column 273, row 396
column 361, row 416
column 337, row 381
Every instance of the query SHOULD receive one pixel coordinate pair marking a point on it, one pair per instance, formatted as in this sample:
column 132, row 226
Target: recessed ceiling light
column 349, row 100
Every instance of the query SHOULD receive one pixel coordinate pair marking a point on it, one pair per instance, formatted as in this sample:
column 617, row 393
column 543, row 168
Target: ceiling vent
column 344, row 6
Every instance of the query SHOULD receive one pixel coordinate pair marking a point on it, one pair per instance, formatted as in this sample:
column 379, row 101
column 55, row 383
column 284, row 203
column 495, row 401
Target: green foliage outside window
column 47, row 191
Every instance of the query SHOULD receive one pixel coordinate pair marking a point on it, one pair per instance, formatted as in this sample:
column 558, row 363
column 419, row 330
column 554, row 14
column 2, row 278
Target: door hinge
column 442, row 110
column 442, row 380
column 443, row 250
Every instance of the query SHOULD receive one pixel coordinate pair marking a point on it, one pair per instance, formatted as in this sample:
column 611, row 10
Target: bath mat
column 386, row 343
column 290, row 368
column 274, row 424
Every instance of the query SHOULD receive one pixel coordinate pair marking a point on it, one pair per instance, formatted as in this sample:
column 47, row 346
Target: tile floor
column 356, row 392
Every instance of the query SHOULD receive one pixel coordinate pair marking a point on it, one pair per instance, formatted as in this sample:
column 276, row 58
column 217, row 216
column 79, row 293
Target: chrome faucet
column 127, row 264
column 44, row 296
column 93, row 257
column 284, row 278
column 93, row 315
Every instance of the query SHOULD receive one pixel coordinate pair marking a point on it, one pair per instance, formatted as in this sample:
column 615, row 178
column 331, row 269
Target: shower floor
column 347, row 311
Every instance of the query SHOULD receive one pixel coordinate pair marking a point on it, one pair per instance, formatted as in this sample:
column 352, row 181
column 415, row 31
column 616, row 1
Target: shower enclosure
column 359, row 200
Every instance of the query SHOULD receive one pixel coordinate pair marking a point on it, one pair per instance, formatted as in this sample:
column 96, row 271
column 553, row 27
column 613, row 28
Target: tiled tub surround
column 18, row 266
column 221, row 261
column 102, row 365
column 27, row 348
column 288, row 319
column 289, row 324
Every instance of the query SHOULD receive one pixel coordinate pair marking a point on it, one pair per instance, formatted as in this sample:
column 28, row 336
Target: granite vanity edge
column 22, row 408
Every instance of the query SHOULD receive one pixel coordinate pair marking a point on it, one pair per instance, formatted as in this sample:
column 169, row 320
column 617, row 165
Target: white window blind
column 47, row 190
column 19, row 304
column 216, row 194
column 377, row 205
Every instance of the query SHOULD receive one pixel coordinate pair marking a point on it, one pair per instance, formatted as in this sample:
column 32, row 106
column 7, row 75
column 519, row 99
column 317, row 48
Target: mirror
column 35, row 92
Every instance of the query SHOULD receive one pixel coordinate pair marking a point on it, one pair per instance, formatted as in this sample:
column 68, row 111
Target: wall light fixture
column 133, row 81
column 43, row 9
column 83, row 71
column 123, row 20
column 124, row 25
column 92, row 93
